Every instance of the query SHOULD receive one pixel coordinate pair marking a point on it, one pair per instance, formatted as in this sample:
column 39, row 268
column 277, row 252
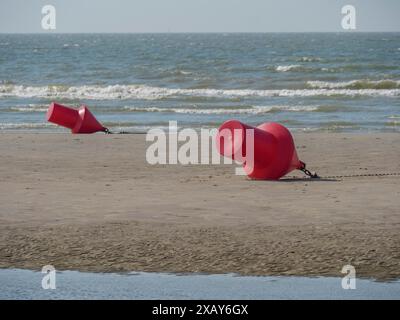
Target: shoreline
column 205, row 274
column 92, row 203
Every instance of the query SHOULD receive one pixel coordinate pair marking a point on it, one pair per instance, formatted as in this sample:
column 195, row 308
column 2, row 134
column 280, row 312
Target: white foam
column 123, row 92
column 183, row 72
column 288, row 68
column 252, row 110
column 356, row 84
column 309, row 59
column 30, row 108
column 25, row 125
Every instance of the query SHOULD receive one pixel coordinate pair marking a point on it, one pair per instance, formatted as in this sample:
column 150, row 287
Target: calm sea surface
column 132, row 82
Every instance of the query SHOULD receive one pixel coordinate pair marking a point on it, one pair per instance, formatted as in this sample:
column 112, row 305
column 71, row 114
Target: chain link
column 107, row 131
column 307, row 172
column 314, row 175
column 362, row 175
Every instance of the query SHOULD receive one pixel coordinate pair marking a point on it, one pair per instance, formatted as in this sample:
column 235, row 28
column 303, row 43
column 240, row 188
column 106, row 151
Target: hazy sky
column 198, row 15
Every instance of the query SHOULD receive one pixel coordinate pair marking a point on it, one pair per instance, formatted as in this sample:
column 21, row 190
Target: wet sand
column 92, row 203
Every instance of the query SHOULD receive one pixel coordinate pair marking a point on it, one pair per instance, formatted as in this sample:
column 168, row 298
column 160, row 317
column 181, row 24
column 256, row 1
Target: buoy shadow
column 294, row 179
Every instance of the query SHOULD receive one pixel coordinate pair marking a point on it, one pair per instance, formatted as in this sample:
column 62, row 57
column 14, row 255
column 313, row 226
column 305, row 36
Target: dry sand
column 93, row 203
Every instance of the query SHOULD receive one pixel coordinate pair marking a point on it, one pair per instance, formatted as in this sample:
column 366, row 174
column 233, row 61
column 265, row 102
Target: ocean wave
column 68, row 45
column 124, row 92
column 24, row 125
column 304, row 69
column 182, row 73
column 329, row 69
column 293, row 67
column 252, row 110
column 114, row 126
column 392, row 124
column 309, row 59
column 30, row 108
column 243, row 110
column 356, row 84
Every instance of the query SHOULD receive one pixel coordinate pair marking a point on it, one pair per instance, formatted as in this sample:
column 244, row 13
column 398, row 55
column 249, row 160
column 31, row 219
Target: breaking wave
column 294, row 67
column 243, row 110
column 24, row 125
column 240, row 109
column 30, row 108
column 356, row 84
column 124, row 92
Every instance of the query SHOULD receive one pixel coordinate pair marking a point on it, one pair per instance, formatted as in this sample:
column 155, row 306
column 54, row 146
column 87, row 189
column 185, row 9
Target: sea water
column 26, row 284
column 133, row 82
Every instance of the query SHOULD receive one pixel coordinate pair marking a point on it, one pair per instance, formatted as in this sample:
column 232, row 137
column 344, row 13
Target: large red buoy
column 270, row 155
column 79, row 121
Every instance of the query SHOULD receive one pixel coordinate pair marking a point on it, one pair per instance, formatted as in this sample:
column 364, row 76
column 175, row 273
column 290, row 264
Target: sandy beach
column 92, row 203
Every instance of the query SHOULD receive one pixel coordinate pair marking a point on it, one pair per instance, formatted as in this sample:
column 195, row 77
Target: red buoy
column 79, row 121
column 270, row 155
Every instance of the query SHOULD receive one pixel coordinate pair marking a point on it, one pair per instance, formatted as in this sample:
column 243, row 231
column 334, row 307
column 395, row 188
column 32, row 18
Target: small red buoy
column 79, row 121
column 273, row 153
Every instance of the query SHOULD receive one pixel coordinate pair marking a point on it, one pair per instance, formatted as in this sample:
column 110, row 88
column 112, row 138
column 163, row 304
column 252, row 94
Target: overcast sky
column 198, row 15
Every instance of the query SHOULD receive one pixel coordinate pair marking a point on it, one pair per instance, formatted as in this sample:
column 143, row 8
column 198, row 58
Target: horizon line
column 199, row 32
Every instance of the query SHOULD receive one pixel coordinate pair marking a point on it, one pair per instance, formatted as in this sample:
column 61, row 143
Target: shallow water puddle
column 26, row 284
